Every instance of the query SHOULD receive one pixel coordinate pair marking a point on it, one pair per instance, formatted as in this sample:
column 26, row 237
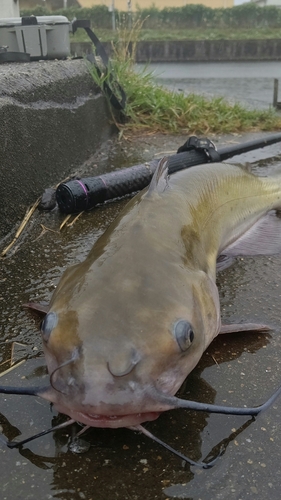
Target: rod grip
column 83, row 194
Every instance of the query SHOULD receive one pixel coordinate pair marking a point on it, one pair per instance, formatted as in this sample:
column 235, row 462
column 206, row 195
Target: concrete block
column 52, row 118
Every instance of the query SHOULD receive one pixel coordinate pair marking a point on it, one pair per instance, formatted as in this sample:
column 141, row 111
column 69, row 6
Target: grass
column 151, row 108
column 188, row 34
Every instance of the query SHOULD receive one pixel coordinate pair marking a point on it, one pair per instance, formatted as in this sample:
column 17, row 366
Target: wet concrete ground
column 121, row 464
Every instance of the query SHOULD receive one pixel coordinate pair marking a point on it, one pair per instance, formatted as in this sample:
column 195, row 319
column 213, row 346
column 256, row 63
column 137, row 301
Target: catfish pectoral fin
column 40, row 309
column 244, row 327
column 224, row 261
column 263, row 238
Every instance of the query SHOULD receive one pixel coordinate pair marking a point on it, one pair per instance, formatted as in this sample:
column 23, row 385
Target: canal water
column 250, row 83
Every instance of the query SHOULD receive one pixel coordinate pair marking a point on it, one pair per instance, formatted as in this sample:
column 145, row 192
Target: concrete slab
column 52, row 118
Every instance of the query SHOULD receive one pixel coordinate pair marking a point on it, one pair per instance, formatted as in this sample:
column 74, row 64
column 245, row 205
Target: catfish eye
column 48, row 324
column 184, row 334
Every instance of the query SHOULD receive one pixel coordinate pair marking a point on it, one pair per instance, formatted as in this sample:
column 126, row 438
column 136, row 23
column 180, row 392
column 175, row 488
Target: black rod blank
column 83, row 194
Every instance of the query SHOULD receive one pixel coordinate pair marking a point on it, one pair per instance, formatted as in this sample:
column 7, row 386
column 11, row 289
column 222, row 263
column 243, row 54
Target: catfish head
column 114, row 351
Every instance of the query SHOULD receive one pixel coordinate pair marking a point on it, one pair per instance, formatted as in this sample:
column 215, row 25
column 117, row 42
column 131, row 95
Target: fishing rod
column 84, row 193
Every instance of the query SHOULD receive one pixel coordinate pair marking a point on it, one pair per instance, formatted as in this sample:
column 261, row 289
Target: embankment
column 198, row 50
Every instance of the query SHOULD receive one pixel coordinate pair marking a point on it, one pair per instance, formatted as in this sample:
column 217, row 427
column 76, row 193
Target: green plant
column 191, row 16
column 151, row 108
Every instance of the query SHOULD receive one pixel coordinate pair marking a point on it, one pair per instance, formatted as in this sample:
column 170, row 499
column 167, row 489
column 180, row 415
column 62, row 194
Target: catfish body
column 127, row 325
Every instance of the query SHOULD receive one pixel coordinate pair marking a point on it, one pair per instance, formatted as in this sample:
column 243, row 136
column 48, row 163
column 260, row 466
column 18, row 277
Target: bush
column 190, row 16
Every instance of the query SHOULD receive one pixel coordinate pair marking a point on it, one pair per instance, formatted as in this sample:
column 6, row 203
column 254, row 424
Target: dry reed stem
column 65, row 221
column 22, row 226
column 45, row 230
column 12, row 367
column 75, row 219
column 12, row 350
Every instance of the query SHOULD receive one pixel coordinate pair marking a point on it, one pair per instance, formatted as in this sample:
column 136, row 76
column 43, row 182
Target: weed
column 152, row 108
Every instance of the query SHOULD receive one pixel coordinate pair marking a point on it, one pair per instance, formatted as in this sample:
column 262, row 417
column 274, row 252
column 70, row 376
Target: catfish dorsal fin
column 159, row 181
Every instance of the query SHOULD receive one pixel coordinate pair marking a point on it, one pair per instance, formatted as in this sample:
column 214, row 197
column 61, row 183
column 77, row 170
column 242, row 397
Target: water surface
column 249, row 83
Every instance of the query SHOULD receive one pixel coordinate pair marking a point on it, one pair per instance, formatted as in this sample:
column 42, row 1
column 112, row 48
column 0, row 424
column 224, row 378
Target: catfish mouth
column 110, row 421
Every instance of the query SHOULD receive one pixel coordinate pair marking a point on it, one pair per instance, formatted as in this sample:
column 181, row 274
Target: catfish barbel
column 126, row 326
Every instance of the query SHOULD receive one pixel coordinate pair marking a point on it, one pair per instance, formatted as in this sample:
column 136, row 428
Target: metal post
column 275, row 93
column 113, row 15
column 130, row 14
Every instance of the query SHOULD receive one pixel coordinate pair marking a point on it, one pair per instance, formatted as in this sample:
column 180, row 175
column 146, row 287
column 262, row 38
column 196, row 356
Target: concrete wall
column 9, row 8
column 201, row 50
column 209, row 50
column 52, row 118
